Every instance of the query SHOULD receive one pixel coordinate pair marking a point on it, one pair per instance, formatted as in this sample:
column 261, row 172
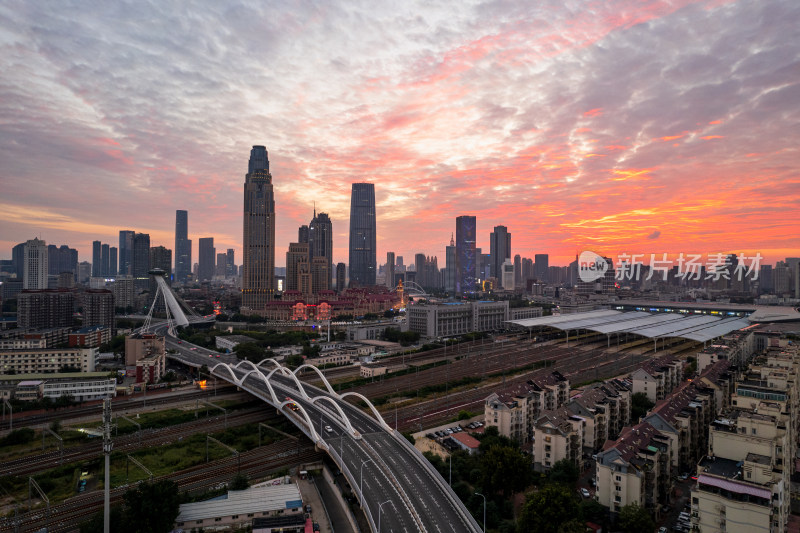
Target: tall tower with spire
column 258, row 246
column 450, row 266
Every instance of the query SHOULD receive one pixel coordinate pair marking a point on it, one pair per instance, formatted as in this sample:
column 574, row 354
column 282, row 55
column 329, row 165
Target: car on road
column 194, row 349
column 328, row 429
column 585, row 493
column 662, row 529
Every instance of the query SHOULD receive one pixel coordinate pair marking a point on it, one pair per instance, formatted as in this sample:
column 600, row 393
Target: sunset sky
column 618, row 126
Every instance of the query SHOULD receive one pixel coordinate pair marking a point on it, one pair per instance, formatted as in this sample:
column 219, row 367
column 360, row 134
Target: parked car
column 585, row 493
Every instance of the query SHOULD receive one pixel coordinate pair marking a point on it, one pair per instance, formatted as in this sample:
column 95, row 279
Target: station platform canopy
column 654, row 326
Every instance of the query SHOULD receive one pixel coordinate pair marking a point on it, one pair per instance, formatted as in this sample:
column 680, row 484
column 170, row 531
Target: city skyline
column 620, row 127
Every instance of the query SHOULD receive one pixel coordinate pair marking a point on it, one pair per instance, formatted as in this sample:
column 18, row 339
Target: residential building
column 98, row 308
column 450, row 267
column 258, row 274
column 97, row 259
column 363, row 259
column 47, row 360
column 48, row 308
column 656, row 378
column 141, row 346
column 295, row 256
column 390, row 270
column 514, row 410
column 541, row 267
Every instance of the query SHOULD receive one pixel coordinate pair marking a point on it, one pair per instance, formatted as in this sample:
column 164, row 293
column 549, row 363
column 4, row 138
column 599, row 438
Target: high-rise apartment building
column 36, row 265
column 517, row 270
column 499, row 250
column 541, row 266
column 105, row 261
column 207, row 256
column 363, row 258
column 61, row 259
column 18, row 259
column 390, row 270
column 320, row 240
column 466, row 261
column 112, row 261
column 97, row 259
column 183, row 247
column 140, row 262
column 258, row 278
column 126, row 252
column 45, row 308
column 320, row 275
column 98, row 308
column 341, row 277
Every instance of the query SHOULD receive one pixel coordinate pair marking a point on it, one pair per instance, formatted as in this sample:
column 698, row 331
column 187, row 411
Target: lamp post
column 361, row 478
column 380, row 508
column 484, row 510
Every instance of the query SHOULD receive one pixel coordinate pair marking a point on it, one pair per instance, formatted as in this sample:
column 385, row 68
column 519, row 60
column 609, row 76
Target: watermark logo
column 591, row 266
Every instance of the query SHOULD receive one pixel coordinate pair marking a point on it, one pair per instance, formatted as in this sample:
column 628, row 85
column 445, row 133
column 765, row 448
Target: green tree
column 634, row 518
column 250, row 351
column 151, row 507
column 545, row 511
column 640, row 405
column 505, row 470
column 239, row 482
column 564, row 471
column 293, row 361
column 593, row 511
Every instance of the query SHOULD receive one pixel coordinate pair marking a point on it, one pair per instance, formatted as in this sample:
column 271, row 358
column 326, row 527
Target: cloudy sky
column 619, row 125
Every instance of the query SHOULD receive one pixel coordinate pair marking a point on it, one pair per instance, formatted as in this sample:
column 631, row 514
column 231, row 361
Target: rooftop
column 252, row 500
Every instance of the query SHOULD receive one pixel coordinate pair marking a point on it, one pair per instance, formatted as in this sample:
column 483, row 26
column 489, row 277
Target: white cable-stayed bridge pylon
column 173, row 309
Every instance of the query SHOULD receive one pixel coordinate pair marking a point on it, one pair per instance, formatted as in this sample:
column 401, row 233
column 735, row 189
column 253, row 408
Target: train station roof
column 700, row 328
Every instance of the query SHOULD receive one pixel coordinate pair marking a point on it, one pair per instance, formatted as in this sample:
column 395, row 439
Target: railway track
column 132, row 442
column 91, row 409
column 256, row 463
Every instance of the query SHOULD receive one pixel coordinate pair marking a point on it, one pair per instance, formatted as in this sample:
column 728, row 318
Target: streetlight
column 484, row 510
column 380, row 508
column 361, row 478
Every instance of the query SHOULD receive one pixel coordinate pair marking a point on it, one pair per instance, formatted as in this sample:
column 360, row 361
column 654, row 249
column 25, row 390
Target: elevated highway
column 398, row 488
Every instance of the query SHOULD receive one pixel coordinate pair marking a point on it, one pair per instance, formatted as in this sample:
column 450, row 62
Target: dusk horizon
column 617, row 127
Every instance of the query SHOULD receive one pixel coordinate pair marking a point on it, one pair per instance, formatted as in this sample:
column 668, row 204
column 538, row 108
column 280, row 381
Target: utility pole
column 107, row 447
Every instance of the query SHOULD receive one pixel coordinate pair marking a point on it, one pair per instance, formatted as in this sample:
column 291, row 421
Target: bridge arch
column 300, row 388
column 320, row 374
column 375, row 412
column 277, row 364
column 314, row 435
column 265, row 379
column 345, row 419
column 227, row 367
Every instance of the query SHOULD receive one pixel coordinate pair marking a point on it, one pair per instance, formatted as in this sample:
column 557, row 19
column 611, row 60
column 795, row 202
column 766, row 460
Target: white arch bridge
column 398, row 488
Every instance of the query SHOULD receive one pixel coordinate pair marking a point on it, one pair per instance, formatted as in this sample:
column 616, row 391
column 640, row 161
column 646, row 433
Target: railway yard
column 433, row 387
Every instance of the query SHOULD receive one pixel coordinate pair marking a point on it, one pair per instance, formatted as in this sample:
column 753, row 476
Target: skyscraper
column 258, row 246
column 320, row 240
column 140, row 260
column 390, row 270
column 105, row 261
column 302, row 234
column 363, row 259
column 126, row 252
column 499, row 250
column 112, row 261
column 341, row 277
column 450, row 266
column 541, row 266
column 207, row 256
column 230, row 264
column 36, row 265
column 18, row 259
column 517, row 270
column 466, row 264
column 297, row 254
column 97, row 259
column 183, row 247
